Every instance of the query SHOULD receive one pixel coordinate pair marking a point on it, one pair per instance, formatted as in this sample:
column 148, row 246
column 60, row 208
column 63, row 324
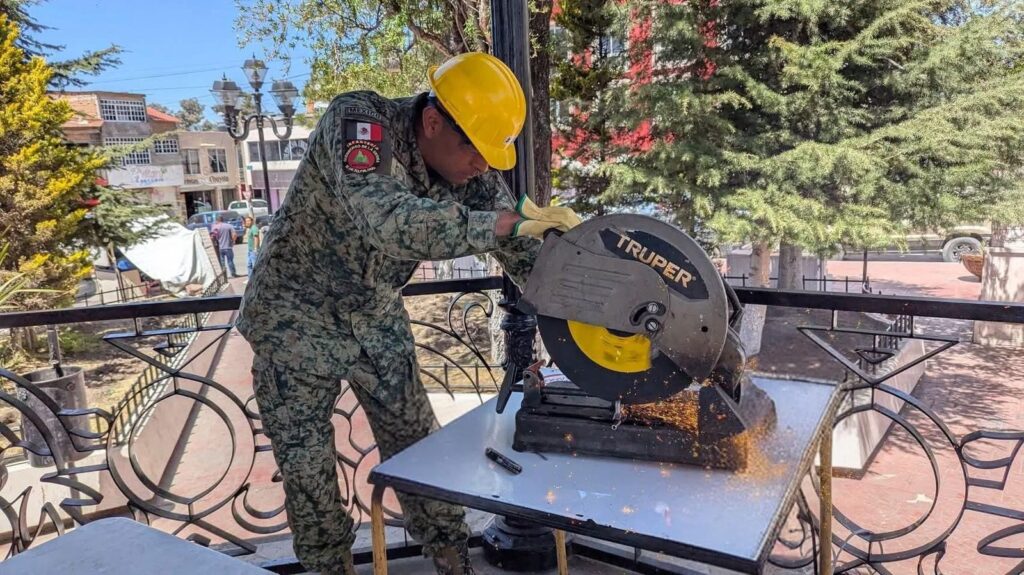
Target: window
column 218, row 160
column 191, row 162
column 123, row 110
column 611, row 46
column 168, row 146
column 292, row 150
column 136, row 157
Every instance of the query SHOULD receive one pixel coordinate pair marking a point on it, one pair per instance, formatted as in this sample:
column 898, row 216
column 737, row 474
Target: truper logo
column 653, row 259
column 665, row 259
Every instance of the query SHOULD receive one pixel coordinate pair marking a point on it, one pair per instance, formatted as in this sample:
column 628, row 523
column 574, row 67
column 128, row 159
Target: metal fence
column 230, row 511
column 849, row 284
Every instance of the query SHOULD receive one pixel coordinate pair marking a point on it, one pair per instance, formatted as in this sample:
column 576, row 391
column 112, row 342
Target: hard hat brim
column 499, row 158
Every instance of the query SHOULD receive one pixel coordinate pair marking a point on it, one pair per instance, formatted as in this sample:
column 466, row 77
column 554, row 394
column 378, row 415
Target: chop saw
column 643, row 331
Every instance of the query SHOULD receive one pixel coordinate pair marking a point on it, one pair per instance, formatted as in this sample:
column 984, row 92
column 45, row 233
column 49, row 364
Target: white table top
column 718, row 517
column 118, row 546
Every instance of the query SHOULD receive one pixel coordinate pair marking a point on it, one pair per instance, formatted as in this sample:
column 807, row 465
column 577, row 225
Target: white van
column 259, row 207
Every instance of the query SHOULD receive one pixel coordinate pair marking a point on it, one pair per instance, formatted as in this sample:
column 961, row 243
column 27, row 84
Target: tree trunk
column 789, row 266
column 998, row 238
column 540, row 72
column 761, row 264
column 752, row 324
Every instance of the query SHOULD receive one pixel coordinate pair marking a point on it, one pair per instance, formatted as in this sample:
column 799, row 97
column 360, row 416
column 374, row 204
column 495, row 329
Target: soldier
column 384, row 184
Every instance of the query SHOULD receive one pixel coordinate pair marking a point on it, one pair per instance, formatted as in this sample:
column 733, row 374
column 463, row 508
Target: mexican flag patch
column 366, row 131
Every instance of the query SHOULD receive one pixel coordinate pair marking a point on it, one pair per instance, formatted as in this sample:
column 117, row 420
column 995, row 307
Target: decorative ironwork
column 226, row 501
column 957, row 488
column 240, row 501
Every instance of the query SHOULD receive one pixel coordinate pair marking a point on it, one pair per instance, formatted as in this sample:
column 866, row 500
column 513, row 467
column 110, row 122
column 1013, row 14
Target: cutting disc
column 614, row 366
column 629, row 367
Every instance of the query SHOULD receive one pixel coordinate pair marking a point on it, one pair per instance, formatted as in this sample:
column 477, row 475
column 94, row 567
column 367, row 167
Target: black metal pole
column 257, row 98
column 510, row 543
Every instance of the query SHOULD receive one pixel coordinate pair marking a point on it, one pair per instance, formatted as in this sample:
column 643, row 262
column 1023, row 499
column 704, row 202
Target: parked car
column 207, row 219
column 259, row 207
column 952, row 244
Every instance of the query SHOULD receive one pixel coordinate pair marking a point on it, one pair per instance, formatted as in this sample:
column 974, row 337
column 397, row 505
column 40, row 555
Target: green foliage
column 122, row 218
column 42, row 180
column 190, row 113
column 47, row 186
column 14, row 286
column 386, row 46
column 819, row 123
column 76, row 342
column 583, row 72
column 67, row 73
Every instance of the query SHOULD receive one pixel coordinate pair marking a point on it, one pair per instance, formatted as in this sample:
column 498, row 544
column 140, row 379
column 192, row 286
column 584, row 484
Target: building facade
column 188, row 172
column 123, row 120
column 283, row 158
column 211, row 171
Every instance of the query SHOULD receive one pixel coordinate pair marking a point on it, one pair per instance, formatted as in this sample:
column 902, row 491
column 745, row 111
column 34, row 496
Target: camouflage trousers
column 296, row 409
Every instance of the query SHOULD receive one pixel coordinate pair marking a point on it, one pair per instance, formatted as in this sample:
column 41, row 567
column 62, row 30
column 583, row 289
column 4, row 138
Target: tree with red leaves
column 815, row 124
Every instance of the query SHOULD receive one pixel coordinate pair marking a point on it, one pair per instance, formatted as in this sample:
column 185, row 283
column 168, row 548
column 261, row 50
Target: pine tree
column 580, row 81
column 68, row 72
column 43, row 181
column 818, row 124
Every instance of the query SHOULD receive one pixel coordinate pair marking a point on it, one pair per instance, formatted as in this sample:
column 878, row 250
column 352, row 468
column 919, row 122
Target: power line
column 160, row 75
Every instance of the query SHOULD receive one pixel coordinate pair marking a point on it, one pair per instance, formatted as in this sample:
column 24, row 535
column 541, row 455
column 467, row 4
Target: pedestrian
column 384, row 184
column 225, row 237
column 252, row 239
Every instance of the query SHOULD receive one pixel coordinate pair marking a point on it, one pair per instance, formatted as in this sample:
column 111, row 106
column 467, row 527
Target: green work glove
column 535, row 228
column 564, row 217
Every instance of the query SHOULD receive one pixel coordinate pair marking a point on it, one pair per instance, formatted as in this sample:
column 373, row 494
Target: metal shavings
column 678, row 411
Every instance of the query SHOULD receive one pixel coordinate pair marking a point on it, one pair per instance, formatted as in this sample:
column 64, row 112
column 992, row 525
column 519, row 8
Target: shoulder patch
column 361, row 156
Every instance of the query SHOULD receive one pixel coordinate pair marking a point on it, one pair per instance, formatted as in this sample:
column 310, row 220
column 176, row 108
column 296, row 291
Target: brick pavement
column 967, row 388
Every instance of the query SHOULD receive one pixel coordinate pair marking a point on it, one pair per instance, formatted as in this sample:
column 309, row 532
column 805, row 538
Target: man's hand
column 535, row 228
column 511, row 224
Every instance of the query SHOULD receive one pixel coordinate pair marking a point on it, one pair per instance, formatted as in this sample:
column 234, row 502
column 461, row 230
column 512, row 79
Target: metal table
column 119, row 546
column 717, row 517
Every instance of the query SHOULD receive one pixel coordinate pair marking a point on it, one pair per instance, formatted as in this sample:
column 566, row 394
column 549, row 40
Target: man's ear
column 432, row 122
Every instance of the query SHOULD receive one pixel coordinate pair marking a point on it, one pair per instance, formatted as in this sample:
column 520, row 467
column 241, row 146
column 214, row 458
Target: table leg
column 825, row 515
column 563, row 562
column 380, row 550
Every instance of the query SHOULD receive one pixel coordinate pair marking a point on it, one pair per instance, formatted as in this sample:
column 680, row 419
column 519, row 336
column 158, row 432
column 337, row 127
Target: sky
column 173, row 49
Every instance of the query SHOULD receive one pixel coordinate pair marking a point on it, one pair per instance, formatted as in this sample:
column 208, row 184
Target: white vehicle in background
column 259, row 207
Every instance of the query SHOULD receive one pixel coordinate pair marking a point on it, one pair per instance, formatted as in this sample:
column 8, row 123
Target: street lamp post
column 228, row 94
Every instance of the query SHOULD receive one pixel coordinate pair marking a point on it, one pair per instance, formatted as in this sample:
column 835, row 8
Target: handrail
column 1010, row 312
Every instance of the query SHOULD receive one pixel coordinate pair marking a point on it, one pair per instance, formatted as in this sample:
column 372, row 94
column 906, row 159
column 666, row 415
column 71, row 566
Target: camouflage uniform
column 324, row 305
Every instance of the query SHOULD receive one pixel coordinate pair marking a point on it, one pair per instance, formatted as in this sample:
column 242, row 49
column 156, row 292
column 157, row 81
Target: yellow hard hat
column 486, row 101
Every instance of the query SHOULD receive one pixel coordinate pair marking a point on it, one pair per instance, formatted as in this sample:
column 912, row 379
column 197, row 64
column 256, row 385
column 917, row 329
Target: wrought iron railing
column 230, row 503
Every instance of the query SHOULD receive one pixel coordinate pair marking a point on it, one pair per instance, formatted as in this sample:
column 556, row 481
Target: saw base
column 713, row 430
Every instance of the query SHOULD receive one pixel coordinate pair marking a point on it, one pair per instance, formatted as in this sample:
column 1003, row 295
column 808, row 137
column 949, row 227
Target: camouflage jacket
column 362, row 211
